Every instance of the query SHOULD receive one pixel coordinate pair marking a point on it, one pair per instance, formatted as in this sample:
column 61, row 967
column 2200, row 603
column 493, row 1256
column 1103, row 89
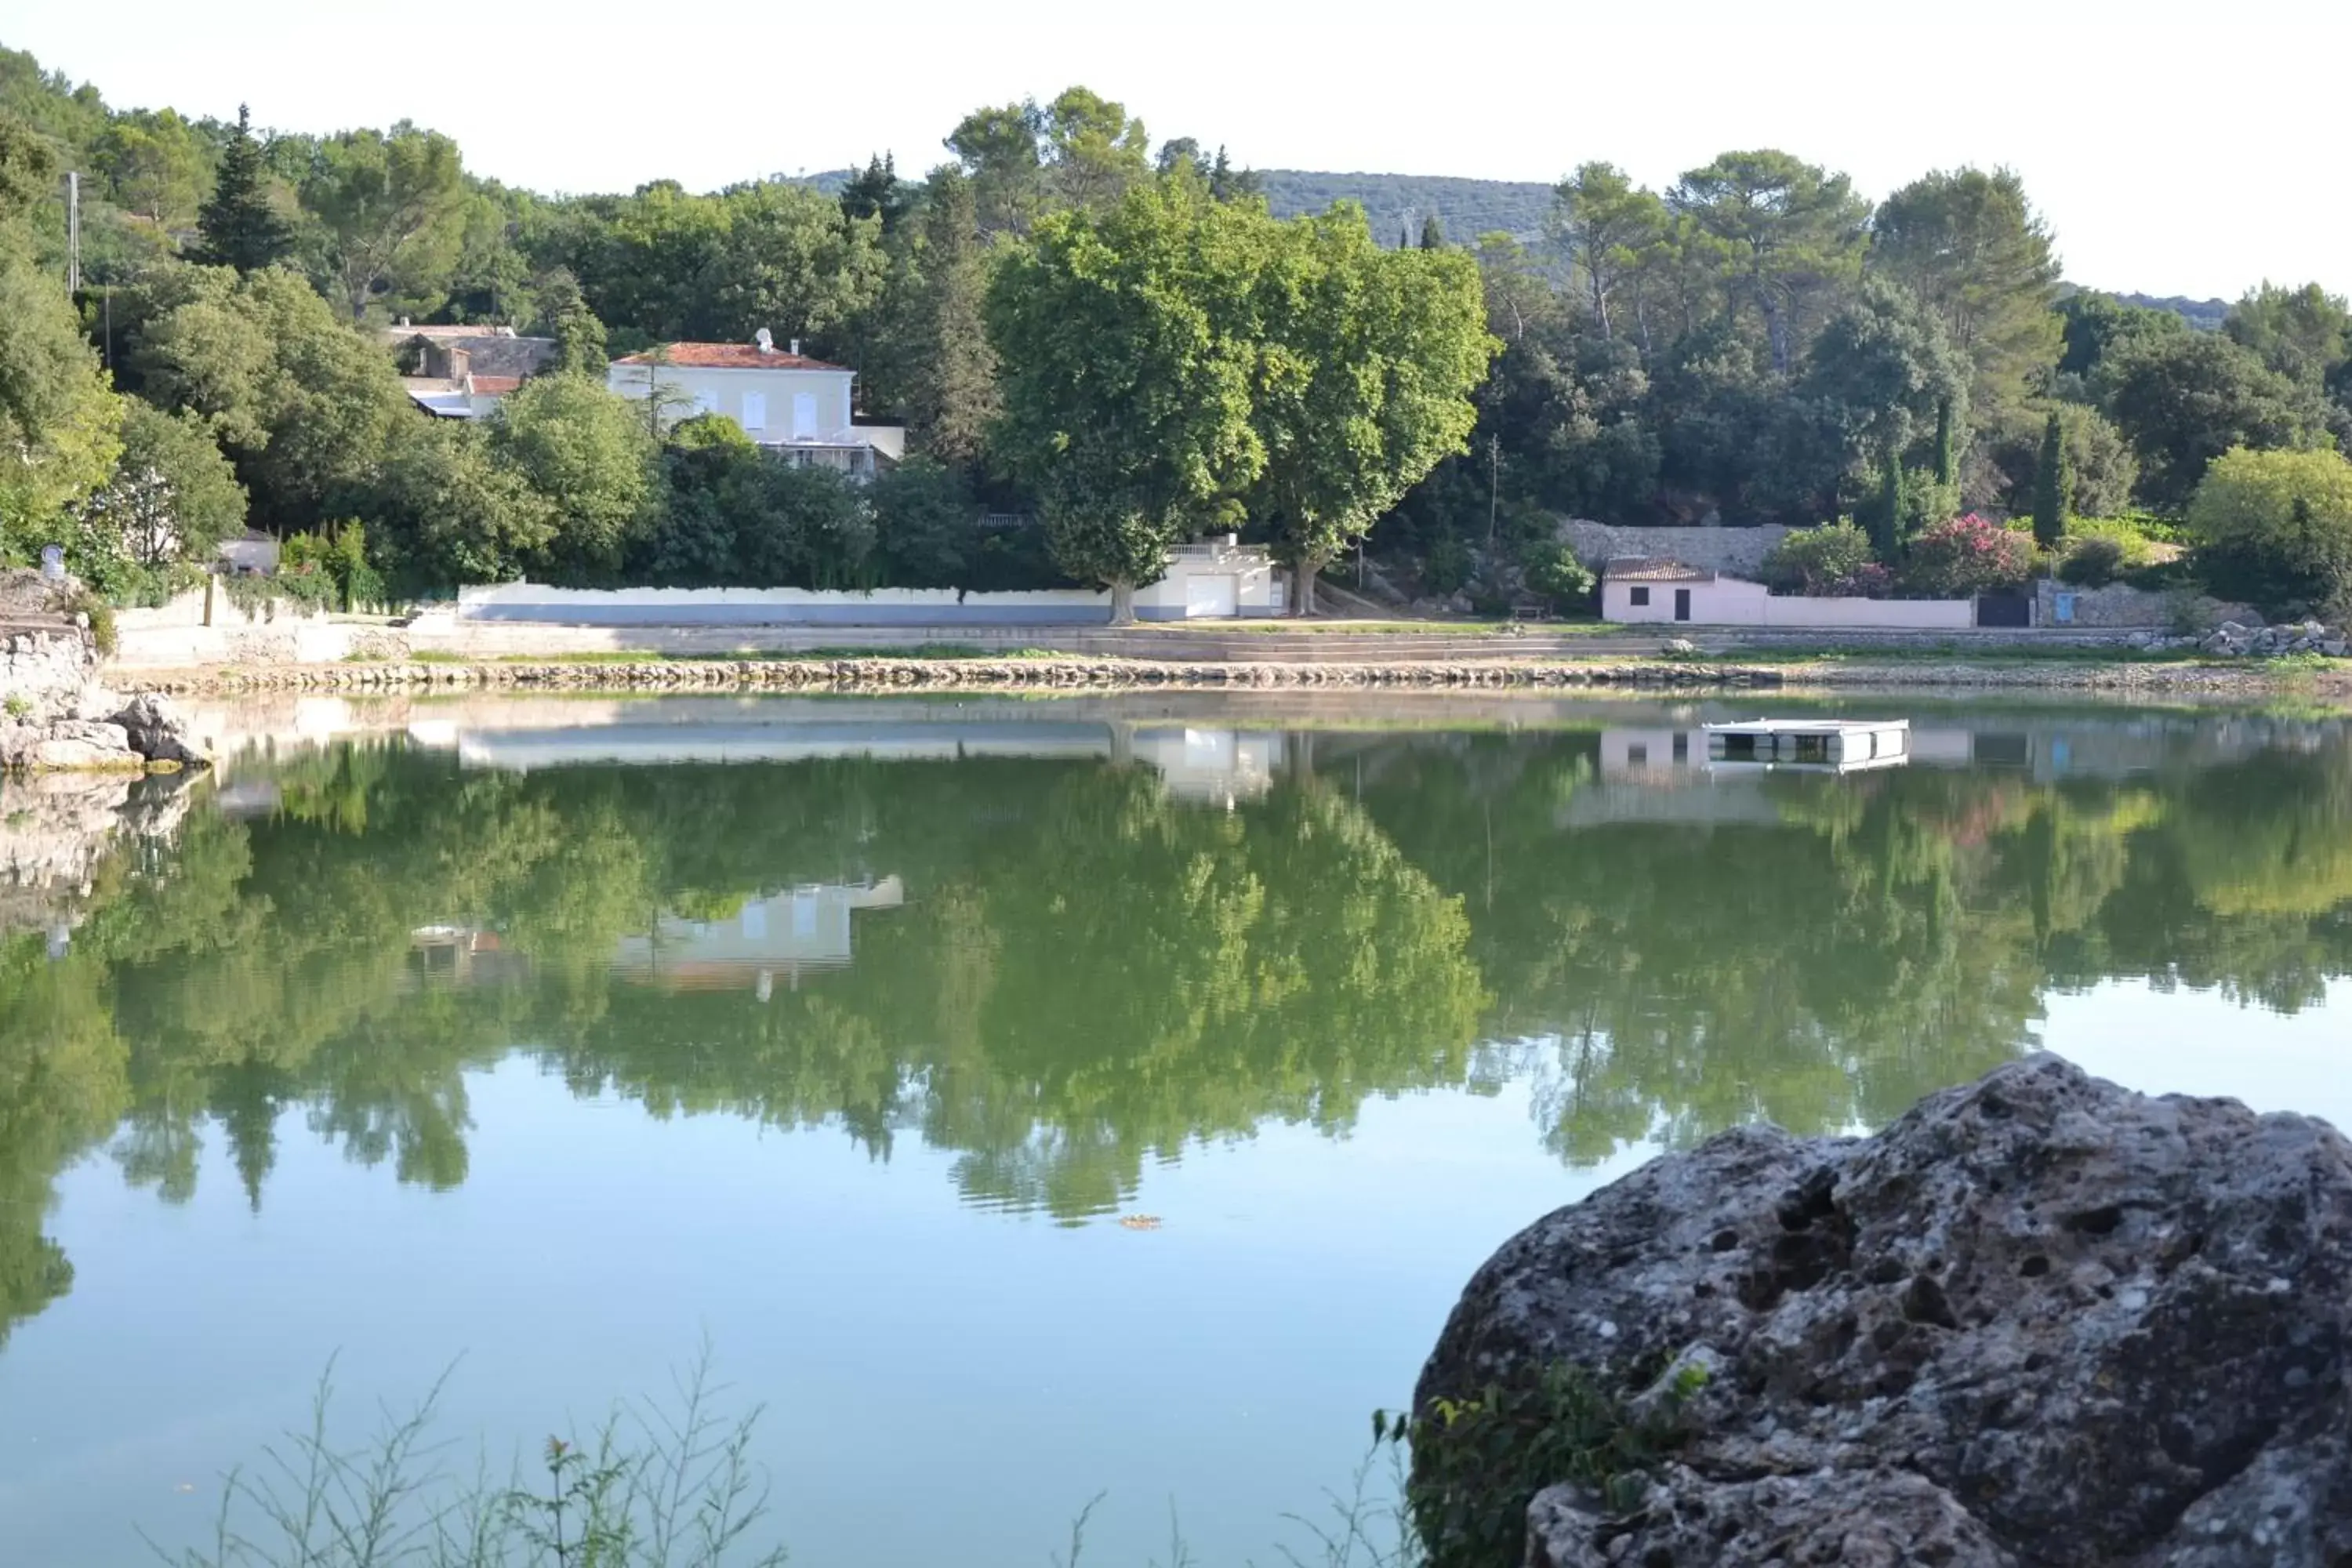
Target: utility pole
column 1494, row 483
column 73, row 232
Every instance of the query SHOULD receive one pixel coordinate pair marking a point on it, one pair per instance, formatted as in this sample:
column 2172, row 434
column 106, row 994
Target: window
column 1640, row 598
column 755, row 411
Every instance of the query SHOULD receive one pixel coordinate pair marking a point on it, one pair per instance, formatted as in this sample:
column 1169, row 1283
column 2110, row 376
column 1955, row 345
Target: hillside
column 1394, row 203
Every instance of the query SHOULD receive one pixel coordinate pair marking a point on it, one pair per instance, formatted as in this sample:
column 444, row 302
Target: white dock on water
column 1843, row 744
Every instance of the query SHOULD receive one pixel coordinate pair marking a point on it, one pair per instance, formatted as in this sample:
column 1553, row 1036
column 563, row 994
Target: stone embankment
column 2040, row 1319
column 882, row 673
column 56, row 714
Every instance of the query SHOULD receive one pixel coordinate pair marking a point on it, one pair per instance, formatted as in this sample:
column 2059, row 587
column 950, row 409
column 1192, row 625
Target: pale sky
column 2175, row 148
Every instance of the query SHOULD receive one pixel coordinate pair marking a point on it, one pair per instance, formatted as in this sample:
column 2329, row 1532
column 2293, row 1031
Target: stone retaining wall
column 1738, row 551
column 42, row 670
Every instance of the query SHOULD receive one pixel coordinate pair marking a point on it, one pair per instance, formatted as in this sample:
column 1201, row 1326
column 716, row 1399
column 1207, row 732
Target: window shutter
column 755, row 411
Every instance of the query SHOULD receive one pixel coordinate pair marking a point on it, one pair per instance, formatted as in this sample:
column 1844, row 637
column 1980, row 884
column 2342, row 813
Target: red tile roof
column 731, row 356
column 1653, row 569
column 495, row 385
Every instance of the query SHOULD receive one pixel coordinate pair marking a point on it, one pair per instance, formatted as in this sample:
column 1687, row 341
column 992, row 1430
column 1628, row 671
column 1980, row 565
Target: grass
column 1378, row 628
column 667, row 1483
column 1943, row 653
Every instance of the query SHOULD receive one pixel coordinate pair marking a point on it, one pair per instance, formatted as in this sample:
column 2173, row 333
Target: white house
column 1646, row 590
column 783, row 400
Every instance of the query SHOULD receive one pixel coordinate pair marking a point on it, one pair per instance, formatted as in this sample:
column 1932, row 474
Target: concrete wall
column 1738, row 551
column 1253, row 593
column 1729, row 601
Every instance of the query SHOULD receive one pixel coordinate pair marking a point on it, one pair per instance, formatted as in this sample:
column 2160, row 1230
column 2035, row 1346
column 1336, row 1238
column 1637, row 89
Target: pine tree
column 1433, row 233
column 2050, row 487
column 240, row 229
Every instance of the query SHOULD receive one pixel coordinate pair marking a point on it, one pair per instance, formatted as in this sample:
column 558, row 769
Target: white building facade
column 794, row 405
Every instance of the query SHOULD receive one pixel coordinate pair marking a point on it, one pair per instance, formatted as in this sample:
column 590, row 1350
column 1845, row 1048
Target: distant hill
column 1395, row 202
column 1392, row 202
column 2205, row 315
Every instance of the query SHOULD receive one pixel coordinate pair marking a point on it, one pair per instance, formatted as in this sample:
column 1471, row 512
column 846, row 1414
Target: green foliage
column 1554, row 572
column 2303, row 334
column 443, row 511
column 1835, row 560
column 2093, row 561
column 1367, row 358
column 1782, row 234
column 1447, row 568
column 59, row 426
column 1972, row 247
column 241, row 225
column 2183, row 399
column 571, row 441
column 926, row 526
column 1128, row 368
column 1478, row 1462
column 391, row 210
column 337, row 560
column 2276, row 528
column 2052, row 485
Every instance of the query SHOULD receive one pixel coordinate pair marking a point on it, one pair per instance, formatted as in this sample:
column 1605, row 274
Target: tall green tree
column 1126, row 368
column 998, row 149
column 1093, row 149
column 877, row 192
column 1972, row 247
column 154, row 165
column 1370, row 357
column 2182, row 399
column 1605, row 225
column 793, row 262
column 2050, row 486
column 390, row 208
column 944, row 369
column 2303, row 334
column 586, row 452
column 173, row 496
column 240, row 225
column 564, row 315
column 1785, row 234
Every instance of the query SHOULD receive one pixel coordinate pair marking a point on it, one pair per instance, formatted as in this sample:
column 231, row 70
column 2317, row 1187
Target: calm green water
column 552, row 1042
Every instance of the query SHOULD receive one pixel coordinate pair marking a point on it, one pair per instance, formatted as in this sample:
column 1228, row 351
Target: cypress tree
column 1945, row 460
column 2050, row 487
column 1890, row 505
column 240, row 229
column 1433, row 233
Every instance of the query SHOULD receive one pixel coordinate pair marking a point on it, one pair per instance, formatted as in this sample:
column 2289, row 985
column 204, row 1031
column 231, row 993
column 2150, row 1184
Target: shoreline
column 2246, row 677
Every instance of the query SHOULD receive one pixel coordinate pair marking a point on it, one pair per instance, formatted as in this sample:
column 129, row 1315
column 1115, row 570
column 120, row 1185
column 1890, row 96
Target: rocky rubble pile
column 2040, row 1320
column 2235, row 639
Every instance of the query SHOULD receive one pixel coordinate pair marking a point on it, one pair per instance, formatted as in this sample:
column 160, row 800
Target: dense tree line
column 1756, row 342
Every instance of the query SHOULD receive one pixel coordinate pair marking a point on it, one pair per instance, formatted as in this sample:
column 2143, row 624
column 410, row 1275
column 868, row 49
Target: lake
column 1031, row 1102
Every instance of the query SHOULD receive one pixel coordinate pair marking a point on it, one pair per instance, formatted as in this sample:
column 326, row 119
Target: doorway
column 1682, row 604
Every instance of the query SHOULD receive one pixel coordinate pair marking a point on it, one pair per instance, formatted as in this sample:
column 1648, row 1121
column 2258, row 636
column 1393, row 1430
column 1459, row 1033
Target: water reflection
column 1064, row 948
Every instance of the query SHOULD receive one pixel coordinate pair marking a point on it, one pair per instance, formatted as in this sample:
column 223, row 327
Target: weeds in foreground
column 658, row 1485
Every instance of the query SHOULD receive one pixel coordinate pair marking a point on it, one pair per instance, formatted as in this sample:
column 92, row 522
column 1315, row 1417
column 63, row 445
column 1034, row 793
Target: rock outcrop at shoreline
column 2040, row 1320
column 55, row 715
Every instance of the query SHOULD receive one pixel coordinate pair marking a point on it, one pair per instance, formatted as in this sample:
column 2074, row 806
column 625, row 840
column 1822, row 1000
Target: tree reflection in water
column 1077, row 970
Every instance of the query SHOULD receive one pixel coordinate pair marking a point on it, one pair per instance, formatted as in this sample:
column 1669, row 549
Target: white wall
column 720, row 390
column 1729, row 601
column 1257, row 593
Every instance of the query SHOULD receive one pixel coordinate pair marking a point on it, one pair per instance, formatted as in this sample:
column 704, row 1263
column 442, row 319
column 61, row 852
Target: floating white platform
column 1840, row 743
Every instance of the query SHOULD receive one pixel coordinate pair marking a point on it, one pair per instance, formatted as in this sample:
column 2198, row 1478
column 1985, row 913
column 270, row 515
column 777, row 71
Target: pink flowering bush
column 1965, row 557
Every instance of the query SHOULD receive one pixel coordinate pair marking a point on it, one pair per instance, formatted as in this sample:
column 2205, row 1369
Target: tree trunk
column 1302, row 600
column 1122, row 604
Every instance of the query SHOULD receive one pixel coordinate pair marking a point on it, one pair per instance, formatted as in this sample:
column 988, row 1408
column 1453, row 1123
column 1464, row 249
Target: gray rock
column 68, row 745
column 1887, row 1519
column 2040, row 1319
column 1678, row 645
column 158, row 731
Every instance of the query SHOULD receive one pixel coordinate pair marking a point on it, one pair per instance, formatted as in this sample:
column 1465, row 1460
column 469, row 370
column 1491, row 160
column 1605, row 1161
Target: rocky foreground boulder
column 2040, row 1320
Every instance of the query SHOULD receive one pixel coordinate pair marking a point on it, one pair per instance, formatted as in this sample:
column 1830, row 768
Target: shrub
column 2275, row 528
column 1833, row 560
column 1965, row 557
column 2093, row 563
column 1554, row 572
column 1446, row 569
